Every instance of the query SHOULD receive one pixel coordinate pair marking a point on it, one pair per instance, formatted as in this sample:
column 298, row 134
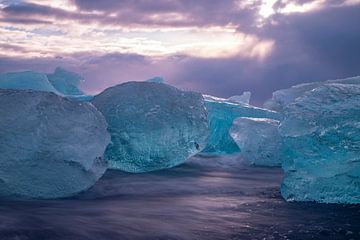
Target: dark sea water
column 205, row 198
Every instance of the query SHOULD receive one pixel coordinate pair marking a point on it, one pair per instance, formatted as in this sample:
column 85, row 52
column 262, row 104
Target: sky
column 217, row 47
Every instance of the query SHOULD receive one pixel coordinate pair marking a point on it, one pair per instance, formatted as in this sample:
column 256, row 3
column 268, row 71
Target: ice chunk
column 258, row 139
column 50, row 146
column 321, row 145
column 282, row 98
column 26, row 80
column 221, row 114
column 152, row 125
column 156, row 80
column 65, row 82
column 244, row 98
column 61, row 82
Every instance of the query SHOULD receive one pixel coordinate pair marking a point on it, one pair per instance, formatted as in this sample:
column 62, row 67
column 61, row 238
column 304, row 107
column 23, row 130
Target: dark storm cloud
column 201, row 12
column 24, row 21
column 314, row 46
column 27, row 13
column 146, row 13
column 309, row 47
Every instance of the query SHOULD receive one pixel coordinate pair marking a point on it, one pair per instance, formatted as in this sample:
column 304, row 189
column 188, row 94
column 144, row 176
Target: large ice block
column 281, row 98
column 26, row 80
column 221, row 114
column 258, row 139
column 50, row 147
column 152, row 125
column 67, row 84
column 321, row 145
column 61, row 82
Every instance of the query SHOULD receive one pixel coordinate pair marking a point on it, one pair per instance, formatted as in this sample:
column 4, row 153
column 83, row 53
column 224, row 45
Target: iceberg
column 152, row 125
column 243, row 98
column 221, row 114
column 281, row 98
column 65, row 82
column 50, row 147
column 156, row 80
column 27, row 81
column 321, row 145
column 61, row 82
column 258, row 139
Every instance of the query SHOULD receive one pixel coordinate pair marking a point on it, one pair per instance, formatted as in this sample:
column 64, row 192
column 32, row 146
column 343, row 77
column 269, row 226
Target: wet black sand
column 205, row 198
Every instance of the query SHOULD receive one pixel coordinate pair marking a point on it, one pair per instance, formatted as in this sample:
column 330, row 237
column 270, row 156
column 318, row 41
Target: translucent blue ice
column 61, row 82
column 258, row 139
column 281, row 98
column 26, row 80
column 156, row 80
column 321, row 145
column 50, row 147
column 221, row 114
column 152, row 125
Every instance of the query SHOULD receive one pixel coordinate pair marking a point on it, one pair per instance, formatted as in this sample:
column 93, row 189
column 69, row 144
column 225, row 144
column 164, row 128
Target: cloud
column 160, row 29
column 216, row 47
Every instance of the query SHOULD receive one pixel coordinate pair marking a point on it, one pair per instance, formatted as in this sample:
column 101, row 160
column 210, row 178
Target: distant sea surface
column 208, row 197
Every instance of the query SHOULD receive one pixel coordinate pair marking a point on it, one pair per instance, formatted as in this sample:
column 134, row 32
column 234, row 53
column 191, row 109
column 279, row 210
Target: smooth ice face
column 282, row 98
column 26, row 80
column 221, row 114
column 50, row 147
column 61, row 82
column 321, row 147
column 258, row 139
column 152, row 125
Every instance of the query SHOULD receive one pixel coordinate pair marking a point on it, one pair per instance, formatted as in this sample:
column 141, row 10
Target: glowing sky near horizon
column 62, row 27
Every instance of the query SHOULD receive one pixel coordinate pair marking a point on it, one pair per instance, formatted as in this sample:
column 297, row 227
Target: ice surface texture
column 222, row 113
column 258, row 139
column 61, row 82
column 50, row 146
column 283, row 97
column 321, row 147
column 152, row 125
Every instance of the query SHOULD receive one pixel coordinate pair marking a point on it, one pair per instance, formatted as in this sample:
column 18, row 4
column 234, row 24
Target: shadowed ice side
column 221, row 114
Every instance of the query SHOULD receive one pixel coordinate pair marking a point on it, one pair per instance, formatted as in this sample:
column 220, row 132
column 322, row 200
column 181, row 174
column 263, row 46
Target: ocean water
column 208, row 197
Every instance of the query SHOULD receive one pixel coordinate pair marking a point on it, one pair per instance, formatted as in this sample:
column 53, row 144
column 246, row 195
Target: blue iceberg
column 50, row 147
column 27, row 81
column 156, row 80
column 67, row 84
column 221, row 114
column 61, row 82
column 321, row 145
column 281, row 98
column 258, row 139
column 152, row 125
